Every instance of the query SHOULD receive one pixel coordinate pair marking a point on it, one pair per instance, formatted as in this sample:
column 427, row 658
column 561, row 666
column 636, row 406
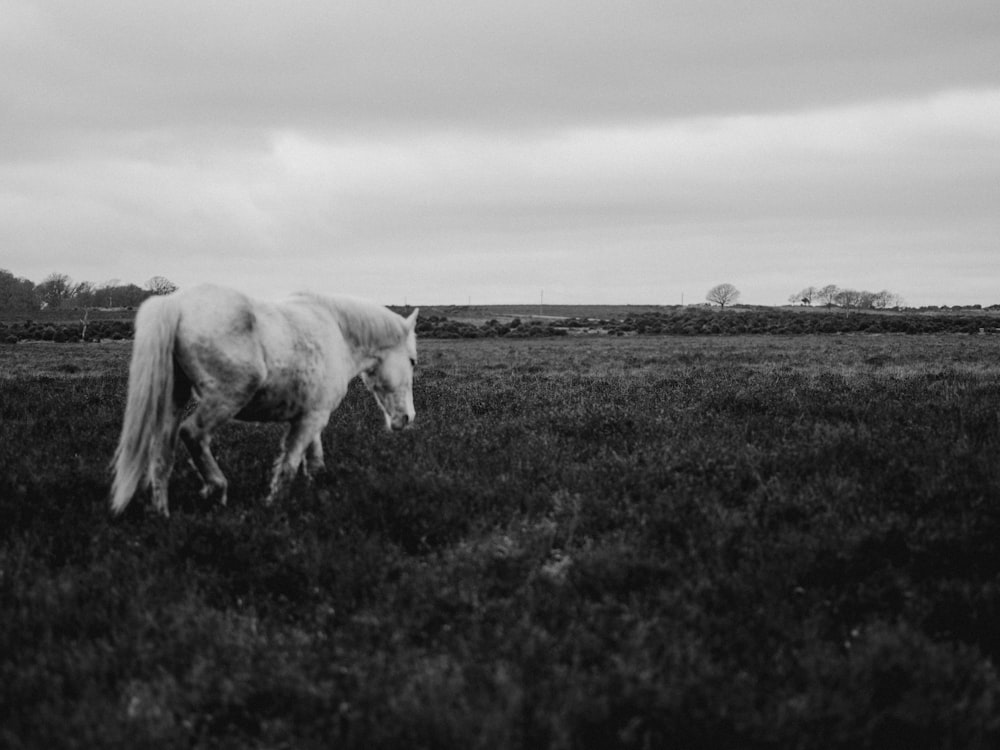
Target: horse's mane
column 365, row 325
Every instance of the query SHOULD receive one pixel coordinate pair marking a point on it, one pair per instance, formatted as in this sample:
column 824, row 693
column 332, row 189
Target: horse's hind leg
column 219, row 351
column 162, row 466
column 196, row 432
column 163, row 459
column 303, row 434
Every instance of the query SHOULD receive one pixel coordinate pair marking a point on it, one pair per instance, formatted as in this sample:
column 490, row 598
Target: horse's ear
column 411, row 320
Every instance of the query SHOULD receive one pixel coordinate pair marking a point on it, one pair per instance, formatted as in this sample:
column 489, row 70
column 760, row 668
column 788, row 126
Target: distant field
column 65, row 316
column 670, row 541
column 480, row 313
column 760, row 318
column 476, row 313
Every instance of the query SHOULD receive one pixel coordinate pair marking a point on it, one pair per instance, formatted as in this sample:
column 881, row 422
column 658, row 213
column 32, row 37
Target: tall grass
column 692, row 542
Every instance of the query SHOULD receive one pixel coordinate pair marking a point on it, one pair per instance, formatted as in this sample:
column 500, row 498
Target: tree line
column 57, row 290
column 832, row 295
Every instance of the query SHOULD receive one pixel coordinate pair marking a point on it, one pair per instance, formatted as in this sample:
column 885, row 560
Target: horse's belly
column 275, row 405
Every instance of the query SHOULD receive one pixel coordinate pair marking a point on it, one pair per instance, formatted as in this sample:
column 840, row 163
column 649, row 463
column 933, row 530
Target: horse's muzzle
column 400, row 423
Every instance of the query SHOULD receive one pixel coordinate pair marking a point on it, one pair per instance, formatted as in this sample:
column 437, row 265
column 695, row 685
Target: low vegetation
column 691, row 541
column 675, row 321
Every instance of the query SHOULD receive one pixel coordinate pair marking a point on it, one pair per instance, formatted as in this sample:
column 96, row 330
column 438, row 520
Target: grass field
column 692, row 542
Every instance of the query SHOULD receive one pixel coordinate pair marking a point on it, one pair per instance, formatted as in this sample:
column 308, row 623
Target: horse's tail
column 148, row 416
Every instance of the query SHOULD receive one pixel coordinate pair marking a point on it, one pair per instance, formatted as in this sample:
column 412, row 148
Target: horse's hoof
column 208, row 491
column 316, row 471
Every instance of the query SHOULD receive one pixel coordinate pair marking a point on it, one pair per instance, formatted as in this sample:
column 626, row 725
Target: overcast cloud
column 442, row 152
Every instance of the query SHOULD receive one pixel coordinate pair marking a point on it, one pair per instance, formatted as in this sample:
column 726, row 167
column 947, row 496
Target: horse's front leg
column 314, row 457
column 302, row 434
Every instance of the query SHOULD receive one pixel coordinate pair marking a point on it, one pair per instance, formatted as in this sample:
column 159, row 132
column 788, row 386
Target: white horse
column 256, row 361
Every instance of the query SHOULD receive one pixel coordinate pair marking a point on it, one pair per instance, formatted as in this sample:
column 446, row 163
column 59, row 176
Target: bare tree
column 849, row 298
column 805, row 297
column 886, row 299
column 827, row 294
column 55, row 289
column 161, row 285
column 723, row 294
column 82, row 294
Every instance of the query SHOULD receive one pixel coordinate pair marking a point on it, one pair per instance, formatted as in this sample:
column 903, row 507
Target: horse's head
column 389, row 376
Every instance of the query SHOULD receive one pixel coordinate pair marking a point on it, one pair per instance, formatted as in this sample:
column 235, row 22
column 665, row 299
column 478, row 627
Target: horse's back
column 217, row 310
column 217, row 336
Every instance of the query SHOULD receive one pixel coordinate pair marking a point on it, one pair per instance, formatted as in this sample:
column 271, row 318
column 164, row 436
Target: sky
column 574, row 152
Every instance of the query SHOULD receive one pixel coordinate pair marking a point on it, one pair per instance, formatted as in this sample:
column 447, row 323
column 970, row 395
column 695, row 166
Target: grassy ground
column 724, row 542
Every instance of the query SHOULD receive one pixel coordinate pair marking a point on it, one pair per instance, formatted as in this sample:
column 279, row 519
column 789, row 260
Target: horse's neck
column 366, row 327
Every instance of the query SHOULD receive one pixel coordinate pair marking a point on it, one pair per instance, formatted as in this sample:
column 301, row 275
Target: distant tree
column 129, row 295
column 863, row 299
column 55, row 289
column 17, row 293
column 723, row 294
column 83, row 294
column 107, row 292
column 833, row 295
column 805, row 297
column 848, row 298
column 161, row 285
column 866, row 299
column 826, row 295
column 114, row 294
column 885, row 299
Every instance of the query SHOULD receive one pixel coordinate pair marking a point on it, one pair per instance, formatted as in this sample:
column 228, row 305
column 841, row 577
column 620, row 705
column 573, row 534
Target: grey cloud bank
column 444, row 151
